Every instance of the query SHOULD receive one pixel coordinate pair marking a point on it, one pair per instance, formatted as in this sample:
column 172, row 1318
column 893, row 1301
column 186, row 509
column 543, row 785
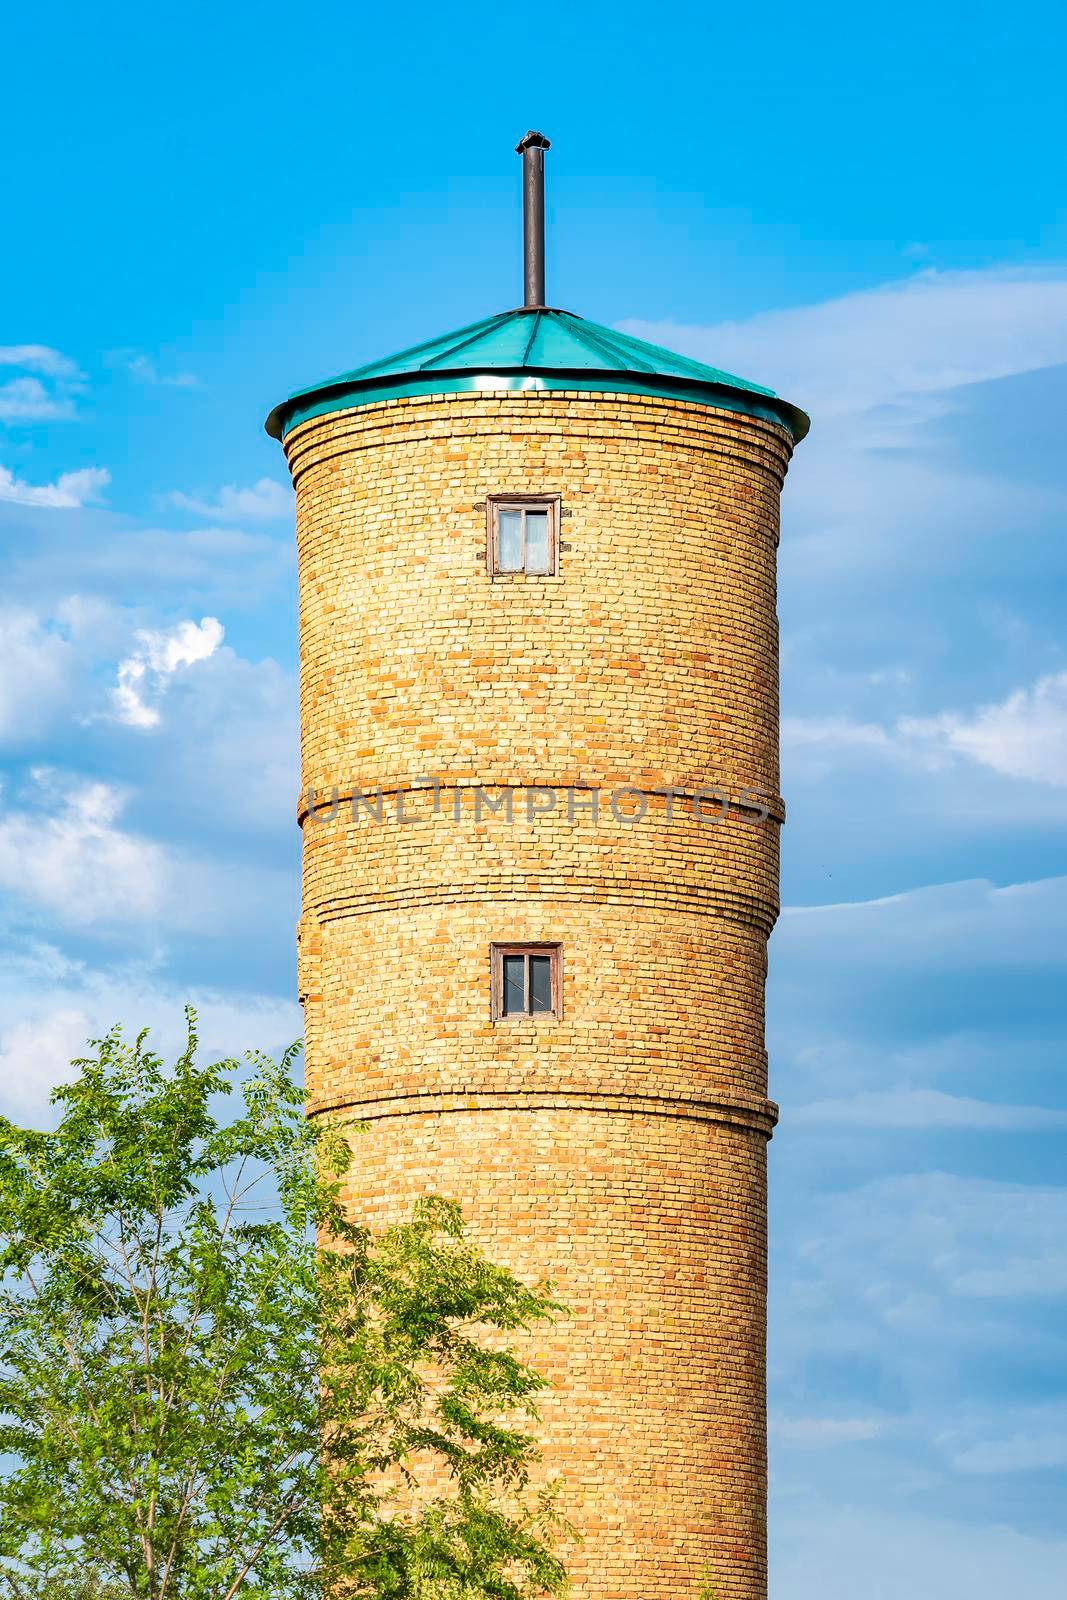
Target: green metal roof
column 536, row 348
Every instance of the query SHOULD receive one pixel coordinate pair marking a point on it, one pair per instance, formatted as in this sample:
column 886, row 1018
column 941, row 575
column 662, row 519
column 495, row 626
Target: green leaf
column 197, row 1402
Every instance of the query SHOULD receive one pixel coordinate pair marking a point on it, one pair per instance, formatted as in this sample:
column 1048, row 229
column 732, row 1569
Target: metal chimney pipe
column 532, row 150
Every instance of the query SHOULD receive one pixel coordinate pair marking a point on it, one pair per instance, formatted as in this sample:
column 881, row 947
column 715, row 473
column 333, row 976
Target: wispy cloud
column 64, row 853
column 1023, row 736
column 910, row 1252
column 35, row 1057
column 833, row 733
column 880, row 485
column 930, row 333
column 262, row 501
column 827, row 1430
column 144, row 675
column 144, row 369
column 834, row 1550
column 97, row 552
column 39, row 358
column 70, row 860
column 70, row 490
column 924, row 1108
column 1024, row 1452
column 36, row 661
column 972, row 925
column 27, row 398
column 52, row 1005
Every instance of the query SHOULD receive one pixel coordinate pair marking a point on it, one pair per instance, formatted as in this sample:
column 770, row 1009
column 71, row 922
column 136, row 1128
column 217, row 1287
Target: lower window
column 526, row 980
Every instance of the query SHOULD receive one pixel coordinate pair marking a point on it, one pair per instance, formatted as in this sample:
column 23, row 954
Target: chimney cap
column 532, row 140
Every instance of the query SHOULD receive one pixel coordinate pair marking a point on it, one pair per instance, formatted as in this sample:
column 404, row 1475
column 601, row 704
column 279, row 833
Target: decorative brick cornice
column 632, row 419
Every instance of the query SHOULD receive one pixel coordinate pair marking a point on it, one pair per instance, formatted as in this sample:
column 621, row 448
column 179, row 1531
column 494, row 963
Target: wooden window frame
column 496, row 503
column 497, row 952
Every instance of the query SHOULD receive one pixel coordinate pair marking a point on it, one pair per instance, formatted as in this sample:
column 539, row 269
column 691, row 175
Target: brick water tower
column 537, row 613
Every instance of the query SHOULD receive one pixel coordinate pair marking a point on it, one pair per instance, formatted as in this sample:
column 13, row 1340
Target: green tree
column 196, row 1403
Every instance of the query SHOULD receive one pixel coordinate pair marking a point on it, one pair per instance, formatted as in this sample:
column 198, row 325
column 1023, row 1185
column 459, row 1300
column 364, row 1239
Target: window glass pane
column 537, row 541
column 509, row 541
column 540, row 983
column 514, row 984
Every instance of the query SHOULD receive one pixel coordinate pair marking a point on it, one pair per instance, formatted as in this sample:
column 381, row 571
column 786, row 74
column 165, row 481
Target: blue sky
column 209, row 206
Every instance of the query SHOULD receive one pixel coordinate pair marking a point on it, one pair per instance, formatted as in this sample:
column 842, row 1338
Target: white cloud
column 97, row 552
column 971, row 926
column 145, row 370
column 1023, row 736
column 835, row 733
column 36, row 661
column 838, row 734
column 893, row 677
column 35, row 1057
column 262, row 501
column 930, row 333
column 825, row 1064
column 912, row 1252
column 919, row 1291
column 842, row 1551
column 919, row 503
column 67, row 860
column 1041, row 1274
column 39, row 358
column 71, row 489
column 878, row 487
column 61, row 851
column 51, row 663
column 143, row 676
column 53, row 1006
column 232, row 744
column 27, row 400
column 827, row 1430
column 1023, row 1452
column 232, row 730
column 923, row 1108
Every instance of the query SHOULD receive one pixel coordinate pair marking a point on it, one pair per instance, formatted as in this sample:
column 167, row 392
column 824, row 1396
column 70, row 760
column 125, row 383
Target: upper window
column 523, row 535
column 526, row 980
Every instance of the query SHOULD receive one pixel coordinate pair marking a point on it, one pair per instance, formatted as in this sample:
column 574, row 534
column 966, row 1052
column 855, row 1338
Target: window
column 526, row 980
column 523, row 535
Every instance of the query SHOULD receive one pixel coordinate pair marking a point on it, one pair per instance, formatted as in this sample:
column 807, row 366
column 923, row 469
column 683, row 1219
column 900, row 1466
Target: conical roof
column 536, row 348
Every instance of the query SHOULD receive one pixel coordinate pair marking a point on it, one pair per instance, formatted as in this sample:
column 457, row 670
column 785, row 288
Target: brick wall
column 619, row 1148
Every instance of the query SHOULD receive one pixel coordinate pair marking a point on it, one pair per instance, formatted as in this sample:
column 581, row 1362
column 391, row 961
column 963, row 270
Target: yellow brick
column 619, row 1149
